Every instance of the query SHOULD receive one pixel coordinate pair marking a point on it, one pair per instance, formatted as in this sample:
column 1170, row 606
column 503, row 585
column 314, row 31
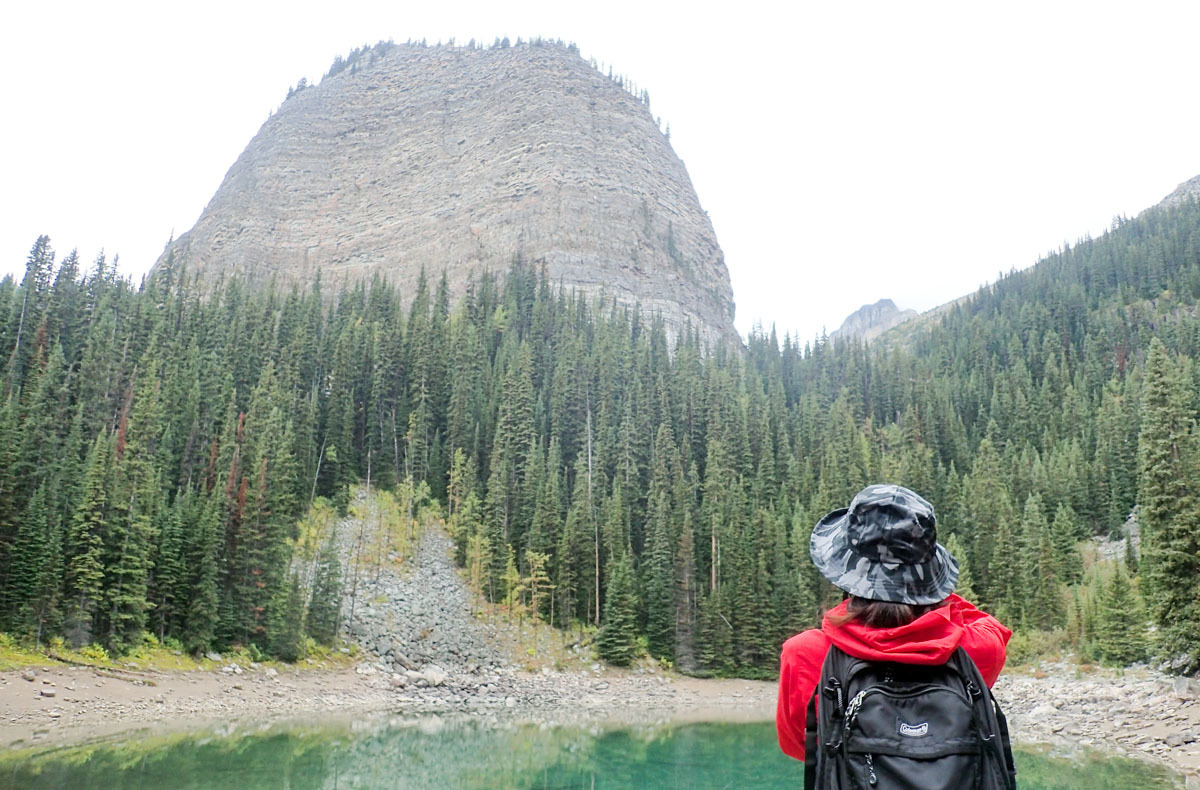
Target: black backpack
column 882, row 725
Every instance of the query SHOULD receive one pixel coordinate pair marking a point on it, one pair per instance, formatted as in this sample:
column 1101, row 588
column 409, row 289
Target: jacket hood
column 930, row 639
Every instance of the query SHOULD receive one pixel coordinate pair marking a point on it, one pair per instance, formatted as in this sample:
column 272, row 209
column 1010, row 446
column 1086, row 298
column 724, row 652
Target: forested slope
column 158, row 449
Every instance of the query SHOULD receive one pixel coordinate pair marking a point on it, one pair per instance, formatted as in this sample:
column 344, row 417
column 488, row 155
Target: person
column 882, row 551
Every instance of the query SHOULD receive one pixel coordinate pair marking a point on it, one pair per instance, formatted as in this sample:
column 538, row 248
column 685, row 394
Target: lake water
column 393, row 752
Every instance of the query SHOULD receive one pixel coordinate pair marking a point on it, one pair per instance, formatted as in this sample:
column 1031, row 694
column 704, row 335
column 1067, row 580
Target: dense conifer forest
column 159, row 446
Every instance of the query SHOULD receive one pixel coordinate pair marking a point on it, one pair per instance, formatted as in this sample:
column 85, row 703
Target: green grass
column 152, row 656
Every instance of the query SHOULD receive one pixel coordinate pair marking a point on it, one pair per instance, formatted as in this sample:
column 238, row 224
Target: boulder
column 434, row 675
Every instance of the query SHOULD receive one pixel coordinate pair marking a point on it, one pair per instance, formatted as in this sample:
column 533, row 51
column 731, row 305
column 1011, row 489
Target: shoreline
column 1137, row 713
column 86, row 705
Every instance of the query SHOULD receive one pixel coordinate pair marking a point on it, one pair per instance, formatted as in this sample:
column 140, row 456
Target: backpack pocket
column 922, row 737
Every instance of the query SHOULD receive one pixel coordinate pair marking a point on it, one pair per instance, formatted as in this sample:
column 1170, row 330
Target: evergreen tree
column 37, row 569
column 617, row 642
column 202, row 546
column 1170, row 513
column 84, row 549
column 325, row 603
column 1120, row 623
column 715, row 637
column 659, row 570
column 168, row 589
column 966, row 584
column 285, row 630
column 1044, row 607
column 1064, row 536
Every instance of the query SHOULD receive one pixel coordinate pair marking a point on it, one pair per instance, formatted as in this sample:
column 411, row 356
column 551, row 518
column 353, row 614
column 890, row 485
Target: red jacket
column 929, row 640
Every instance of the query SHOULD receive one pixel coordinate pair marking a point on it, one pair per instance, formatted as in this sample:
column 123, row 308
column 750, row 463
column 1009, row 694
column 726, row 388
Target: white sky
column 846, row 152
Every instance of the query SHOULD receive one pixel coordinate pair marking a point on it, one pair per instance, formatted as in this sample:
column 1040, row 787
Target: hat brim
column 918, row 584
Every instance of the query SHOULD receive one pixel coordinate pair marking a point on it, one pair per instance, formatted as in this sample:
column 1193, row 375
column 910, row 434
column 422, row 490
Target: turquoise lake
column 432, row 753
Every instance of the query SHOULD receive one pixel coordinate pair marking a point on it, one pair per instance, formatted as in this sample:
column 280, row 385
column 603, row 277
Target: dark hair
column 881, row 614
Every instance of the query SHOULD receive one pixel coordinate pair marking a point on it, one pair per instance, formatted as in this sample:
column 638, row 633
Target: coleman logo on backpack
column 883, row 725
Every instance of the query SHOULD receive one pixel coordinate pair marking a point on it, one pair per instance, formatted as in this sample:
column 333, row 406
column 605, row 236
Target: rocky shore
column 69, row 704
column 1135, row 712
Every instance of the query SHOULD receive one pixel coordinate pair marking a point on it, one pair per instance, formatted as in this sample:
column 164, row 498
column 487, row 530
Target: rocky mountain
column 872, row 320
column 1188, row 190
column 461, row 159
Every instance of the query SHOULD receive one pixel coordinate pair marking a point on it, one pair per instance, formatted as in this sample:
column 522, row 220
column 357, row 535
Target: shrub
column 95, row 652
column 1030, row 645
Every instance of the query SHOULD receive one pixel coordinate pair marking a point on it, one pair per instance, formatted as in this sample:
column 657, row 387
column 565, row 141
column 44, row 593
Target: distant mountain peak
column 1188, row 190
column 872, row 320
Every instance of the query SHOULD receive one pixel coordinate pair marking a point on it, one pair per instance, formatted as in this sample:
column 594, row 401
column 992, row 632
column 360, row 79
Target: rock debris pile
column 420, row 617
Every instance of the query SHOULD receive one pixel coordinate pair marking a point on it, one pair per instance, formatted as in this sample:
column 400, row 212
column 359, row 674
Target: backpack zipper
column 872, row 779
column 852, row 710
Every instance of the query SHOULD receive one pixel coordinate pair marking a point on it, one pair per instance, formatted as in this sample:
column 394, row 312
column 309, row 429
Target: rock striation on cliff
column 461, row 159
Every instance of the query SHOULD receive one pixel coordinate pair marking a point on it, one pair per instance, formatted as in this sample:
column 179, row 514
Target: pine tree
column 1064, row 531
column 547, row 514
column 1008, row 598
column 1169, row 512
column 659, row 569
column 285, row 628
column 168, row 589
column 84, row 547
column 1131, row 560
column 989, row 517
column 1120, row 623
column 10, row 511
column 37, row 567
column 966, row 585
column 1034, row 579
column 616, row 642
column 325, row 603
column 202, row 545
column 686, row 597
column 715, row 636
column 1044, row 606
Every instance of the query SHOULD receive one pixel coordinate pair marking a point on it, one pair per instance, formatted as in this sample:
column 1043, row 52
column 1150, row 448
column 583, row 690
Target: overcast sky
column 846, row 152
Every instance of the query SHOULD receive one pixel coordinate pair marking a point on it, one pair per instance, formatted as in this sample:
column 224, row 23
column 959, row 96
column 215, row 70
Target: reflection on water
column 431, row 753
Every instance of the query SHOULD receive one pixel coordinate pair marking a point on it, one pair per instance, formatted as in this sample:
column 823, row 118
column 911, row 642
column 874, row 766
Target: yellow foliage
column 314, row 529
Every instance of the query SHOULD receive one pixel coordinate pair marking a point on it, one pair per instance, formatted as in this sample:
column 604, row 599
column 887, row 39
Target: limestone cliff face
column 872, row 320
column 461, row 159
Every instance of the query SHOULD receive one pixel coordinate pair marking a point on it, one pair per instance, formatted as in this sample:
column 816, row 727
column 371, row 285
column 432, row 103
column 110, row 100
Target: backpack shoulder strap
column 811, row 741
column 1006, row 744
column 993, row 726
column 821, row 734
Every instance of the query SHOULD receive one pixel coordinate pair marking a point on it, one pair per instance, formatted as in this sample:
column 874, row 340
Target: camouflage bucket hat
column 884, row 547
